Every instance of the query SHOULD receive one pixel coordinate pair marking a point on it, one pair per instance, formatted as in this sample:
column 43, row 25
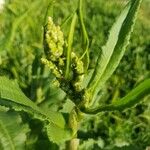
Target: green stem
column 72, row 144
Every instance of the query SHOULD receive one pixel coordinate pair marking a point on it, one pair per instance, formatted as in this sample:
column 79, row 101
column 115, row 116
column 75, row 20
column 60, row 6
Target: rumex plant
column 71, row 72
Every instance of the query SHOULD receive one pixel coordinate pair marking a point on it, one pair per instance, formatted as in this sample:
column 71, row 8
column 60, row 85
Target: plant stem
column 72, row 144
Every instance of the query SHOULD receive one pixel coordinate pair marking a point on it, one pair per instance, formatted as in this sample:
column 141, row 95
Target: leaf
column 12, row 96
column 49, row 12
column 67, row 106
column 85, row 42
column 58, row 135
column 130, row 147
column 132, row 98
column 70, row 42
column 13, row 131
column 115, row 47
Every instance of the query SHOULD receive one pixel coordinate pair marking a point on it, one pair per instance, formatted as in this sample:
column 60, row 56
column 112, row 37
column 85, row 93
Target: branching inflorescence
column 56, row 60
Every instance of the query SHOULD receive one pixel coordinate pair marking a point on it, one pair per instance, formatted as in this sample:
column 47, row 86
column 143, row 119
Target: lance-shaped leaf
column 70, row 42
column 114, row 49
column 11, row 96
column 85, row 42
column 132, row 98
column 13, row 133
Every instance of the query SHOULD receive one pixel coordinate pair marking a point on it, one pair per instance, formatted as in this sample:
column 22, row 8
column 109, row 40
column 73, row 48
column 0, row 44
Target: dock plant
column 72, row 74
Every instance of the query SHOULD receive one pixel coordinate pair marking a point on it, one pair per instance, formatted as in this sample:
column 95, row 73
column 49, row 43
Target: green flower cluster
column 78, row 68
column 56, row 60
column 55, row 40
column 53, row 47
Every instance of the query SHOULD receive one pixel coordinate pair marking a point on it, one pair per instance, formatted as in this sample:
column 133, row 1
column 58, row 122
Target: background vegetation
column 21, row 48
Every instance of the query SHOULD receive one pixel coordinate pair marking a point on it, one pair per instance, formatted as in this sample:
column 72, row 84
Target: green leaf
column 85, row 42
column 49, row 12
column 12, row 131
column 70, row 42
column 132, row 98
column 12, row 96
column 114, row 49
column 130, row 147
column 57, row 135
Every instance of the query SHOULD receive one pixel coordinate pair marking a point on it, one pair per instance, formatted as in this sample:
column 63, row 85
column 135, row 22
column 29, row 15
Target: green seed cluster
column 78, row 71
column 56, row 60
column 52, row 66
column 78, row 64
column 55, row 40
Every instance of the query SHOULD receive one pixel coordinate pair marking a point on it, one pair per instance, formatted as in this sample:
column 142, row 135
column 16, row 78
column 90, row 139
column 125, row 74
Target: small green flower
column 52, row 66
column 78, row 68
column 86, row 98
column 55, row 40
